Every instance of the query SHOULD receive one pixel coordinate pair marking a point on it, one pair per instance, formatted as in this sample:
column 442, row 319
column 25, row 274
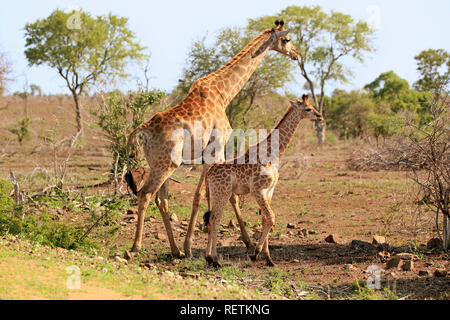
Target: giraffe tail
column 128, row 176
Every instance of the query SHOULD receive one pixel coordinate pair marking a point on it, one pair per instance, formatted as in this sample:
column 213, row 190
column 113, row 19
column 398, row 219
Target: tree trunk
column 78, row 120
column 445, row 236
column 320, row 130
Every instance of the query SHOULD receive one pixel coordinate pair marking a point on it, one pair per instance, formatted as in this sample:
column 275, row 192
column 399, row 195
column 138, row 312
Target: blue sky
column 168, row 28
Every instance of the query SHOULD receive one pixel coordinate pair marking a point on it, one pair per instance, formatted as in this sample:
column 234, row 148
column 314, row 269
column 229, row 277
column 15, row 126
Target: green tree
column 348, row 112
column 323, row 41
column 83, row 49
column 393, row 95
column 273, row 72
column 434, row 68
column 35, row 90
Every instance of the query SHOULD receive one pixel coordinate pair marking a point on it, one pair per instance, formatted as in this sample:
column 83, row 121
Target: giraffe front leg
column 194, row 213
column 269, row 261
column 268, row 221
column 162, row 201
column 234, row 200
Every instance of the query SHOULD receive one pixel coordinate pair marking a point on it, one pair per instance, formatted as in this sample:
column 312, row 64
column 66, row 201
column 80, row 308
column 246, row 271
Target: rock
column 290, row 226
column 383, row 255
column 60, row 250
column 408, row 265
column 358, row 244
column 132, row 211
column 349, row 267
column 169, row 273
column 148, row 266
column 424, row 273
column 407, row 256
column 121, row 260
column 434, row 243
column 290, row 232
column 160, row 236
column 441, row 273
column 130, row 218
column 312, row 232
column 378, row 240
column 232, row 224
column 395, row 262
column 60, row 211
column 174, row 218
column 123, row 224
column 295, row 261
column 303, row 233
column 332, row 238
column 189, row 275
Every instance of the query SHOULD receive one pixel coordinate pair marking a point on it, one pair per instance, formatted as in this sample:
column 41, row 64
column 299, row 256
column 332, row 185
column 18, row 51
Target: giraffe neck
column 229, row 80
column 285, row 130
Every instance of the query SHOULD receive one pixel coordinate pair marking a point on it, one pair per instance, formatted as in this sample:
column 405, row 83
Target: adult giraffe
column 205, row 106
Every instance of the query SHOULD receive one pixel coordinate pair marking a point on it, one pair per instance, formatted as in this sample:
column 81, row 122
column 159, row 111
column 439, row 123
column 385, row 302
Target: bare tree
column 431, row 143
column 5, row 70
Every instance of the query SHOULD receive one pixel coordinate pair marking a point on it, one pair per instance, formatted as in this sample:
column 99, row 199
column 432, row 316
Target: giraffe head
column 284, row 43
column 307, row 111
column 280, row 41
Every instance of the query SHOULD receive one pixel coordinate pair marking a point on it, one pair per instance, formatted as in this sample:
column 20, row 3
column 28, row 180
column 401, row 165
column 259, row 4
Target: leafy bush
column 22, row 129
column 45, row 231
column 6, row 202
column 119, row 114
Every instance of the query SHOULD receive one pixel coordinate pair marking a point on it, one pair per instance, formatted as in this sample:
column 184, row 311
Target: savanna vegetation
column 362, row 188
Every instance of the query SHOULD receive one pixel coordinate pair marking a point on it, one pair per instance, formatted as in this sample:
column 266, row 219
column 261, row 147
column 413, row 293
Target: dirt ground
column 316, row 196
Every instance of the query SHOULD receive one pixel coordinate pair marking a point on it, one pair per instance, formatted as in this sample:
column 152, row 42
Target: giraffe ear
column 293, row 103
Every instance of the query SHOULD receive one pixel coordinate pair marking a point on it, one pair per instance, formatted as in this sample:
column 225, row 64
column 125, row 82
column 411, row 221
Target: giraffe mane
column 238, row 56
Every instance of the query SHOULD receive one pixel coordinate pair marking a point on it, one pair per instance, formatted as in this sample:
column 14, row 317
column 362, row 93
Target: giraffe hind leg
column 154, row 182
column 162, row 201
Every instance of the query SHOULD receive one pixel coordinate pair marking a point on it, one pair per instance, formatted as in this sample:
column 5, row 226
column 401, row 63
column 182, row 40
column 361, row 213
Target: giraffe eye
column 307, row 109
column 286, row 40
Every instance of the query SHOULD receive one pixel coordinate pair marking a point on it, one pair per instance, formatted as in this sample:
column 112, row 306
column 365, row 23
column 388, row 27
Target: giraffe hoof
column 135, row 248
column 179, row 255
column 213, row 262
column 128, row 255
column 250, row 248
column 270, row 263
column 209, row 259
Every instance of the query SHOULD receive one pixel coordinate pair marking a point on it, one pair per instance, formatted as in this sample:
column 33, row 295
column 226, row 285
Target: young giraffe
column 205, row 105
column 257, row 178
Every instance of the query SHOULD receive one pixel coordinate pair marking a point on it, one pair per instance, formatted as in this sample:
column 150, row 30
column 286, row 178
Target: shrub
column 22, row 129
column 6, row 202
column 45, row 231
column 119, row 114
